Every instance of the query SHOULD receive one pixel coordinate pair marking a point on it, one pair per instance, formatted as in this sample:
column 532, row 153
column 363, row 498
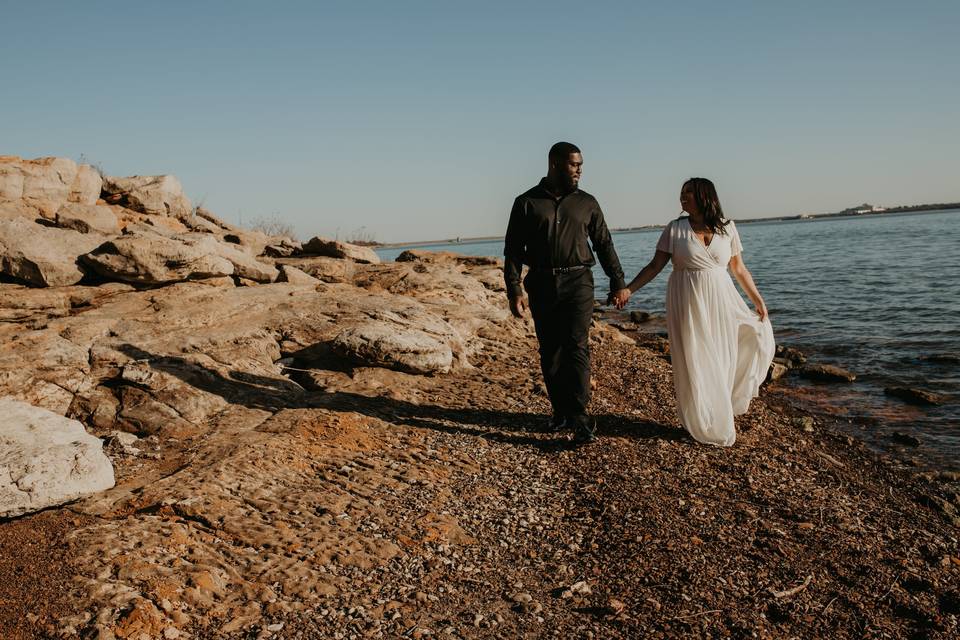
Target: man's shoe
column 584, row 432
column 557, row 424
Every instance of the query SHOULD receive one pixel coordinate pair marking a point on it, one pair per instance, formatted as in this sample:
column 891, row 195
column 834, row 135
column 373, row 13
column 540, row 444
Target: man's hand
column 518, row 306
column 619, row 298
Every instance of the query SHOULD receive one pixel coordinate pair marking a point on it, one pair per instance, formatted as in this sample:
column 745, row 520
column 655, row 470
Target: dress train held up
column 720, row 349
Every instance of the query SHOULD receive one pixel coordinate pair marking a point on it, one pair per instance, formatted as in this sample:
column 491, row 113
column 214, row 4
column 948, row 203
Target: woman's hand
column 761, row 308
column 619, row 298
column 743, row 276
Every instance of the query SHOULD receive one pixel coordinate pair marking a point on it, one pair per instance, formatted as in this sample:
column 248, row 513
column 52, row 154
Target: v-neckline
column 699, row 239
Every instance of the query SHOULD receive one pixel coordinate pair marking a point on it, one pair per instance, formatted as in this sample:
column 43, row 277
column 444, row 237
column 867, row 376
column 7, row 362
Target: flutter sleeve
column 664, row 243
column 736, row 247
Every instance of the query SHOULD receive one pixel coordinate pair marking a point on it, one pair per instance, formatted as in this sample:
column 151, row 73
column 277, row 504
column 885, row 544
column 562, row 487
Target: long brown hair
column 705, row 195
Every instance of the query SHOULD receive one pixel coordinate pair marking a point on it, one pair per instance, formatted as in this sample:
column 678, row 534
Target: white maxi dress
column 719, row 348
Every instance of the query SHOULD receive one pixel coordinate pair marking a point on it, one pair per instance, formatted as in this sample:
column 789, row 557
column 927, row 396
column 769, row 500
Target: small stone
column 805, row 526
column 615, row 607
column 171, row 633
column 275, row 627
column 581, row 588
column 522, row 598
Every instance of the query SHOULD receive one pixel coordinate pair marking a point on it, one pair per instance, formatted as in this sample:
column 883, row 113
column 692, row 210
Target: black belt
column 558, row 270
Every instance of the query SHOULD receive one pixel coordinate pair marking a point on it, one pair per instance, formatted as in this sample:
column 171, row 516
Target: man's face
column 569, row 171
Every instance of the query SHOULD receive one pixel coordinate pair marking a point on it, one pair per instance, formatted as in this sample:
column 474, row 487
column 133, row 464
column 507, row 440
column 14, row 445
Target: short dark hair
column 561, row 151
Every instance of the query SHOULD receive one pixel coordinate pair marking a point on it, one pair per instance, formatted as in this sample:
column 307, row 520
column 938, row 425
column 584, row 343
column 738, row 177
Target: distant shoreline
column 920, row 208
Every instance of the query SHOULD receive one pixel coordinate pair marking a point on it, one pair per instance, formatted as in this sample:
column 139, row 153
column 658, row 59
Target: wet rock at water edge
column 905, row 438
column 790, row 356
column 912, row 395
column 640, row 316
column 827, row 373
column 777, row 371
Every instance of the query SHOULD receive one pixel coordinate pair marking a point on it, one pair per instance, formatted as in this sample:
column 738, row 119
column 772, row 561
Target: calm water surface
column 877, row 295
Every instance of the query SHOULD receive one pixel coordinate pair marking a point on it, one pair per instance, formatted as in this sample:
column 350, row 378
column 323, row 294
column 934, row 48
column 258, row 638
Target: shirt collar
column 545, row 185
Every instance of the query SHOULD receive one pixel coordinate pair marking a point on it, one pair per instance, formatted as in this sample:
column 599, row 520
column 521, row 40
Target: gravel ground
column 645, row 533
column 797, row 531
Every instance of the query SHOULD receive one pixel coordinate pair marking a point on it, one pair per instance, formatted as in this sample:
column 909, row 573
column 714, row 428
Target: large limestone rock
column 156, row 195
column 46, row 184
column 41, row 255
column 88, row 218
column 322, row 268
column 335, row 249
column 46, row 460
column 385, row 344
column 244, row 264
column 10, row 209
column 154, row 259
column 156, row 255
column 86, row 187
column 289, row 273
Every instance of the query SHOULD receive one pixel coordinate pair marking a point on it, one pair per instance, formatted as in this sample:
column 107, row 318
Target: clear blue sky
column 424, row 119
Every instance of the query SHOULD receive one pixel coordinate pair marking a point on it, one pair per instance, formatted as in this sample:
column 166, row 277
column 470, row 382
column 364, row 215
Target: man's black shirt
column 549, row 231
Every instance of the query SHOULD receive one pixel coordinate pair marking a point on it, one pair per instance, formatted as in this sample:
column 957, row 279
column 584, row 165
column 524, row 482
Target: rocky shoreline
column 308, row 444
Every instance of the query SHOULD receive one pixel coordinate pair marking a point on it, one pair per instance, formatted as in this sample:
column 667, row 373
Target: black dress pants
column 562, row 308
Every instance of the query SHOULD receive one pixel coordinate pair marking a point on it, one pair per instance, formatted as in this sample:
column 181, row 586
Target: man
column 548, row 231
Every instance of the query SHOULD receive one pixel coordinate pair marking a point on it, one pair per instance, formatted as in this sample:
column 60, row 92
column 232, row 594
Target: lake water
column 877, row 295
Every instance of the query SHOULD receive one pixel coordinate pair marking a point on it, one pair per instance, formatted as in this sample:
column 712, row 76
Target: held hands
column 518, row 306
column 619, row 298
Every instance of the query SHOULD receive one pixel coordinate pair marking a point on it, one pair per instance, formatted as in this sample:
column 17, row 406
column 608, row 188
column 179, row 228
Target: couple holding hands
column 719, row 348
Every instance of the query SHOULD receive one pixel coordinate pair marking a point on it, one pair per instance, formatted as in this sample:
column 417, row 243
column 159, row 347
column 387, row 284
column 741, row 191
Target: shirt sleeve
column 736, row 248
column 664, row 244
column 514, row 246
column 607, row 254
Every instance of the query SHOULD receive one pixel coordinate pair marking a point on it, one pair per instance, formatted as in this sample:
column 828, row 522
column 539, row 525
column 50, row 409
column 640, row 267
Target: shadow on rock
column 273, row 394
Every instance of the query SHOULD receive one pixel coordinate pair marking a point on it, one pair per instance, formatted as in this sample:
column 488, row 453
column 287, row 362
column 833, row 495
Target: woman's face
column 687, row 202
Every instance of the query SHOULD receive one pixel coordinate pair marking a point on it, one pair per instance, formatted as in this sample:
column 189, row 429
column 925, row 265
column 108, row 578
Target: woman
column 720, row 350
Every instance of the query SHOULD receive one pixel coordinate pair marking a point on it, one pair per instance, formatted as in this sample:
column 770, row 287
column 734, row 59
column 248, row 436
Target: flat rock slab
column 46, row 459
column 911, row 395
column 43, row 256
column 827, row 373
column 389, row 345
column 88, row 218
column 422, row 255
column 154, row 259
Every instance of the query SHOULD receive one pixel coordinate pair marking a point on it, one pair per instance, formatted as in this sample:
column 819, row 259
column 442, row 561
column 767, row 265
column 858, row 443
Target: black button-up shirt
column 549, row 231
